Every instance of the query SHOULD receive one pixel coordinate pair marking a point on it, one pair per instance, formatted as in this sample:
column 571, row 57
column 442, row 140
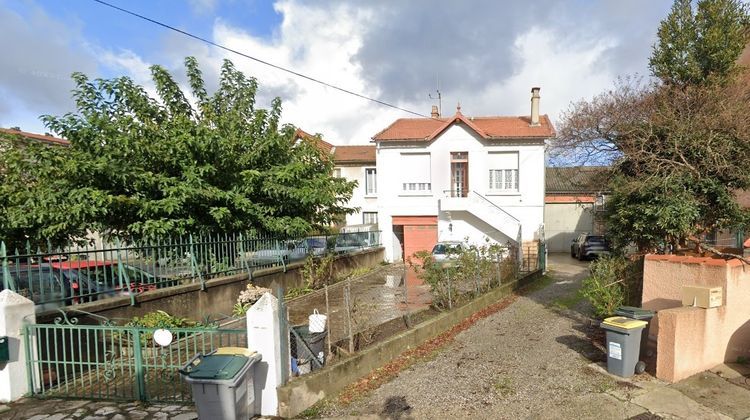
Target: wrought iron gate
column 109, row 362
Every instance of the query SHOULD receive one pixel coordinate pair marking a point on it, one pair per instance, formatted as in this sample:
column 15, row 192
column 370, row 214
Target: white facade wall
column 527, row 204
column 361, row 200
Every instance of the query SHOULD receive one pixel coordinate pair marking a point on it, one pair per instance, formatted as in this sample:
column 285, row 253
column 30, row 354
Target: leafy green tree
column 678, row 146
column 696, row 46
column 140, row 167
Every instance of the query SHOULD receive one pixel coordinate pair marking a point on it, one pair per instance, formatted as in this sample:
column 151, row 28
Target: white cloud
column 393, row 51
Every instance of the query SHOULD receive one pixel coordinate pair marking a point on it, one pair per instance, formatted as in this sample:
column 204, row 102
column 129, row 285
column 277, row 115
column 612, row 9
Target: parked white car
column 289, row 251
column 447, row 250
column 355, row 237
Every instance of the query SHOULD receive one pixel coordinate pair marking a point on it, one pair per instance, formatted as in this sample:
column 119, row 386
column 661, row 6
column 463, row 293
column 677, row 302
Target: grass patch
column 538, row 284
column 504, row 387
column 568, row 302
column 360, row 271
column 313, row 412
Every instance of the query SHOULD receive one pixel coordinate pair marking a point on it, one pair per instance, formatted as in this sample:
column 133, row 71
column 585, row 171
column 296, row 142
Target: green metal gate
column 107, row 362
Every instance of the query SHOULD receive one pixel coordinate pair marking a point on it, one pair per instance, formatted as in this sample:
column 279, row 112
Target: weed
column 504, row 387
column 360, row 271
column 743, row 360
column 568, row 302
column 539, row 284
column 314, row 411
column 605, row 385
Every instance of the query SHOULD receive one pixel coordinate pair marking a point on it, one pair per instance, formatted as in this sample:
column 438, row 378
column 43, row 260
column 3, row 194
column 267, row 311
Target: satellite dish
column 163, row 337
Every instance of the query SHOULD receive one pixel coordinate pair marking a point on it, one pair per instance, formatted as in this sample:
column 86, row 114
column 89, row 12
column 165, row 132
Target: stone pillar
column 264, row 336
column 13, row 309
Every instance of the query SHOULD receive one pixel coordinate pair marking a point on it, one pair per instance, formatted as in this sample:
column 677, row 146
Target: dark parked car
column 53, row 284
column 587, row 246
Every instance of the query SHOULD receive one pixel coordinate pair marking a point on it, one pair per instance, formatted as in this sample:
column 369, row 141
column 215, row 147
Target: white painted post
column 13, row 309
column 264, row 336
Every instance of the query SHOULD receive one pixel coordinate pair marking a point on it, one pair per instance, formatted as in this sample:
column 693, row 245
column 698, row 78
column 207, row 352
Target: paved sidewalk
column 54, row 409
column 535, row 360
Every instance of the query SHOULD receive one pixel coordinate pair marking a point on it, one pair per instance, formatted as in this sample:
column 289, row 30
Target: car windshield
column 37, row 281
column 316, row 242
column 445, row 249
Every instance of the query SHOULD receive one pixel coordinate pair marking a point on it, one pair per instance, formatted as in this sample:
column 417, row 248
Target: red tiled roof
column 324, row 146
column 426, row 129
column 354, row 154
column 40, row 137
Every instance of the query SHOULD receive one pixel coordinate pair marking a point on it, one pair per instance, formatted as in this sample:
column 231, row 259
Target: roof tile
column 354, row 154
column 426, row 129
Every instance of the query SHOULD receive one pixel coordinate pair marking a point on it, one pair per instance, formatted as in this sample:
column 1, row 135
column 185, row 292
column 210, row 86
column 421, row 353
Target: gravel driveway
column 527, row 361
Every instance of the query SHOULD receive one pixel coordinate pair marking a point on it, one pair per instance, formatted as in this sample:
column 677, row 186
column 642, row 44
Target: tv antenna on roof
column 439, row 95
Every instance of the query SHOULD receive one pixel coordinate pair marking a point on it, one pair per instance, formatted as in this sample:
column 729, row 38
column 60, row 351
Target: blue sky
column 486, row 56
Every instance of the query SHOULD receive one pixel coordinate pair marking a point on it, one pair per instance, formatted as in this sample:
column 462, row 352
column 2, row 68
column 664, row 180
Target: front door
column 459, row 174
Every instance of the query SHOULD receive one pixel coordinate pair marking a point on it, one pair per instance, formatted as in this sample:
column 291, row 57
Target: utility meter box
column 701, row 296
column 4, row 350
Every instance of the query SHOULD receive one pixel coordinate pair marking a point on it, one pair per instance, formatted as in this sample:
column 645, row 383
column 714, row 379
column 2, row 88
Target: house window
column 371, row 181
column 415, row 170
column 503, row 176
column 370, row 217
column 337, row 172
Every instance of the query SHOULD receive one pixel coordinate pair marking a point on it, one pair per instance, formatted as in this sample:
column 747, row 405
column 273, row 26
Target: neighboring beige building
column 573, row 205
column 357, row 163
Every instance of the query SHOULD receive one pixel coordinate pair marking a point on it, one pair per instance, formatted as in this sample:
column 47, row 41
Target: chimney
column 534, row 107
column 435, row 113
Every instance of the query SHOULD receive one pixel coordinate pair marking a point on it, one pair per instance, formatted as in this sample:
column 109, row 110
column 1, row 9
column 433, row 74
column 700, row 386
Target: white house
column 460, row 177
column 357, row 163
column 354, row 163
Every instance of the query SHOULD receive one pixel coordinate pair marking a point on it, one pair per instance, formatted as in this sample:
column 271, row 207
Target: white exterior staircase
column 485, row 210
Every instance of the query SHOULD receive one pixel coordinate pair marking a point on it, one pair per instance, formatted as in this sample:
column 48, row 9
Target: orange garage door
column 420, row 233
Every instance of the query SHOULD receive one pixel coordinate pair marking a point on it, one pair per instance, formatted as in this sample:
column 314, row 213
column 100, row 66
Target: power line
column 295, row 73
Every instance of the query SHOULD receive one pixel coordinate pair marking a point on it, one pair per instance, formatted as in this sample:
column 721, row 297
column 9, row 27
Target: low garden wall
column 690, row 339
column 220, row 294
column 303, row 392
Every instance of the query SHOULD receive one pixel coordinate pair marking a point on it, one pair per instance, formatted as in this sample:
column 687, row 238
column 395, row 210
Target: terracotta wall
column 691, row 340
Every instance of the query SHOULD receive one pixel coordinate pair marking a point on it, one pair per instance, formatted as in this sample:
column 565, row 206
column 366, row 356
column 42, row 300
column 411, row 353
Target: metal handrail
column 495, row 206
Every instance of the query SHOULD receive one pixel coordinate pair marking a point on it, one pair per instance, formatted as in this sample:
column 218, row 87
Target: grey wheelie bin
column 623, row 345
column 643, row 315
column 222, row 384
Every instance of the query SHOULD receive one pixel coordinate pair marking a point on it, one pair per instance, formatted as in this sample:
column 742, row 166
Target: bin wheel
column 640, row 367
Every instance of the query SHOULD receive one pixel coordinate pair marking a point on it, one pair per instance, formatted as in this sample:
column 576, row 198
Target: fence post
column 140, row 379
column 8, row 282
column 194, row 263
column 14, row 310
column 348, row 304
column 265, row 335
column 328, row 327
column 122, row 275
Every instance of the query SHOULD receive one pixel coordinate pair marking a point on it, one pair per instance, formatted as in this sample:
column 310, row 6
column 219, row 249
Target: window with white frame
column 370, row 217
column 337, row 172
column 503, row 176
column 415, row 170
column 371, row 181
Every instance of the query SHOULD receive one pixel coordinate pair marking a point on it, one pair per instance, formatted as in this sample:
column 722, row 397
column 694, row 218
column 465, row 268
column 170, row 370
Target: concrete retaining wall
column 189, row 301
column 301, row 393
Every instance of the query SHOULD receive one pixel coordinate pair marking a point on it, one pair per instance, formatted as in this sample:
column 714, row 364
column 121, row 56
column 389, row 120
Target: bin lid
column 218, row 366
column 633, row 312
column 624, row 323
column 238, row 351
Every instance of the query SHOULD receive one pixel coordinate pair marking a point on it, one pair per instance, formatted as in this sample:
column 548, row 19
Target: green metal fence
column 53, row 277
column 108, row 362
